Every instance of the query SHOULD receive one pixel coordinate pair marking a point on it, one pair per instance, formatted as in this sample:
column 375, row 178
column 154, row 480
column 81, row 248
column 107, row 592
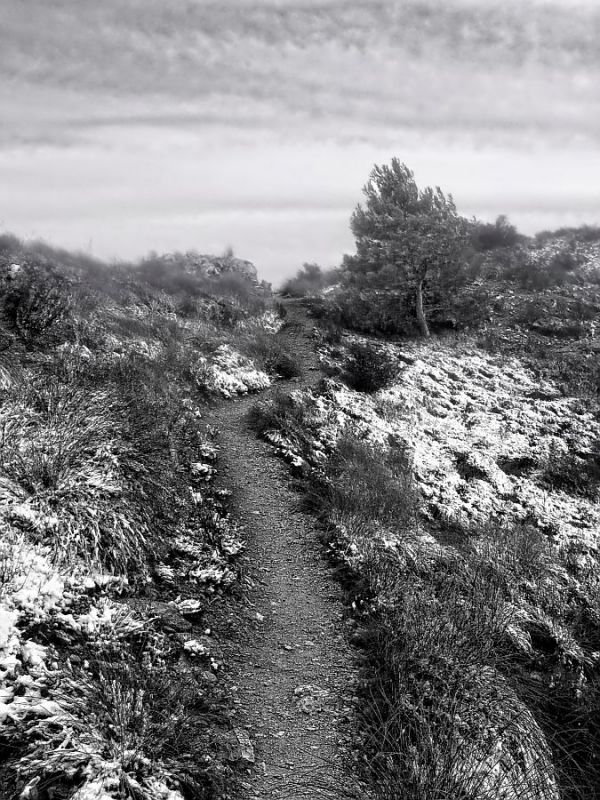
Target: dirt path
column 290, row 662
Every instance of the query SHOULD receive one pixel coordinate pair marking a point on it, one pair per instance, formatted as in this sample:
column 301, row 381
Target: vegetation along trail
column 290, row 662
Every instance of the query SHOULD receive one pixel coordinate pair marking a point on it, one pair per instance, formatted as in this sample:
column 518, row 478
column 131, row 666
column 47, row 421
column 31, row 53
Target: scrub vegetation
column 456, row 484
column 114, row 536
column 449, row 454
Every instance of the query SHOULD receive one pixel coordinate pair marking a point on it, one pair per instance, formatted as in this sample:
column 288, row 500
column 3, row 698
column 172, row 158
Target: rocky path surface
column 285, row 646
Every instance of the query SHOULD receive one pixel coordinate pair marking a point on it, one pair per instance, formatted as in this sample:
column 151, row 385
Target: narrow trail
column 285, row 646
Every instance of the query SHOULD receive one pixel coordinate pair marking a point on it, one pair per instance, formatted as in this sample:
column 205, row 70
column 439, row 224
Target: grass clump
column 285, row 421
column 367, row 485
column 440, row 720
column 61, row 452
column 129, row 719
column 271, row 354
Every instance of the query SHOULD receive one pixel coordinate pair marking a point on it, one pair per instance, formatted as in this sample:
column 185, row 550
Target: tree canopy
column 408, row 237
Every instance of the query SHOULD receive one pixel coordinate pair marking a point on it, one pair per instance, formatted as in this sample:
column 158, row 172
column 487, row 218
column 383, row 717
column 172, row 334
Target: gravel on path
column 289, row 659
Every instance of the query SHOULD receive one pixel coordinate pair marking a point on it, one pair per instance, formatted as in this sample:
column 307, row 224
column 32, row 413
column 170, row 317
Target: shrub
column 585, row 233
column 181, row 277
column 271, row 354
column 60, row 446
column 535, row 270
column 309, row 280
column 330, row 331
column 491, row 236
column 282, row 413
column 567, row 472
column 130, row 710
column 36, row 302
column 386, row 313
column 368, row 368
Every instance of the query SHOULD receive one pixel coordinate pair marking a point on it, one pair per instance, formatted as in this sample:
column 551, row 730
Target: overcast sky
column 131, row 125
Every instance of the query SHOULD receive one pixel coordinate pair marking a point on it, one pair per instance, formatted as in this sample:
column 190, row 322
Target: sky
column 135, row 125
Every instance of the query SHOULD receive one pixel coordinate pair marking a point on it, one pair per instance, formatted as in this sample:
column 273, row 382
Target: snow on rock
column 228, row 373
column 189, row 606
column 470, row 421
column 196, row 648
column 7, row 627
column 33, row 654
column 269, row 321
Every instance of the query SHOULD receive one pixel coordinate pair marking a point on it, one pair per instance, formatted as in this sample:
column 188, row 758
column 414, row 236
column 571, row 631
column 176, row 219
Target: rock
column 196, row 648
column 167, row 613
column 193, row 262
column 554, row 326
column 310, row 698
column 189, row 607
column 238, row 746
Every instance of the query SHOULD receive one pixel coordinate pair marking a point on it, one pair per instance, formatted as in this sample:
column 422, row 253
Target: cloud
column 145, row 123
column 480, row 68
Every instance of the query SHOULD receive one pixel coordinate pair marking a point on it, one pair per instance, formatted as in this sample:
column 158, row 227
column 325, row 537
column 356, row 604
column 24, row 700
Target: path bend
column 290, row 661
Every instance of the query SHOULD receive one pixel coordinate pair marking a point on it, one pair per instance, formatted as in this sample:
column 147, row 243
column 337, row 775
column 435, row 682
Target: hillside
column 115, row 537
column 171, row 627
column 457, row 480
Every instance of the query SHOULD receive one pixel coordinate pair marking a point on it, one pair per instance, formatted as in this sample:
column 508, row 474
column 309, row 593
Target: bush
column 182, row 277
column 330, row 331
column 389, row 313
column 491, row 236
column 133, row 709
column 283, row 414
column 368, row 368
column 385, row 313
column 573, row 474
column 585, row 233
column 309, row 280
column 536, row 271
column 36, row 303
column 271, row 354
column 62, row 447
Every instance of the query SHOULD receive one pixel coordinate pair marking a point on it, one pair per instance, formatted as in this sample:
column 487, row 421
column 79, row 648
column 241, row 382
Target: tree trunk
column 421, row 320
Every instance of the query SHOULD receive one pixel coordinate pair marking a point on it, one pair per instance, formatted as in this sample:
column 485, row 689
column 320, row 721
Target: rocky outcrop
column 212, row 266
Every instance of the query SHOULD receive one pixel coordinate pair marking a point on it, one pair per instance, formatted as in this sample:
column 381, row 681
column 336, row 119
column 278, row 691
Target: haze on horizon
column 138, row 125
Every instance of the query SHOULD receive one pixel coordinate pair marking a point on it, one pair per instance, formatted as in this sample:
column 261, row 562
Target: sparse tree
column 408, row 237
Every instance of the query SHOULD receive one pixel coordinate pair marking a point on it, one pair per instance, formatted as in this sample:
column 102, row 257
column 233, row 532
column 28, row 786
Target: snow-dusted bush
column 368, row 368
column 59, row 460
column 311, row 279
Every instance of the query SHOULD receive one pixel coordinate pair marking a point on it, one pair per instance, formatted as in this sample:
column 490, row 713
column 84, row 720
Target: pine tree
column 410, row 238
